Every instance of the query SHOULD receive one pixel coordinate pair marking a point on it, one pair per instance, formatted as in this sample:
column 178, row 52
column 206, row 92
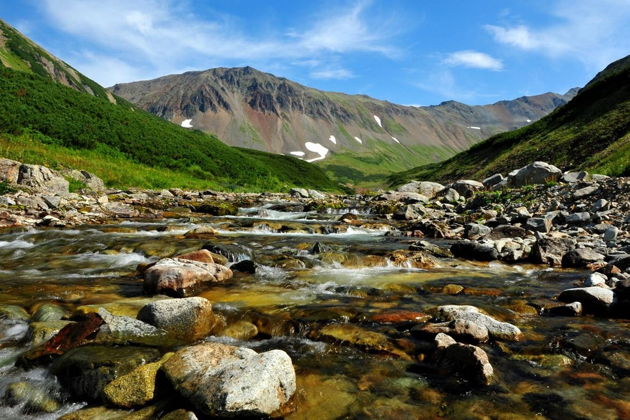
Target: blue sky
column 405, row 51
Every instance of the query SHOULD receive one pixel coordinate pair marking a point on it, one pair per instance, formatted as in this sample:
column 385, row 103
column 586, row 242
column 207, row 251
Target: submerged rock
column 496, row 329
column 222, row 380
column 86, row 370
column 179, row 277
column 464, row 359
column 361, row 337
column 34, row 399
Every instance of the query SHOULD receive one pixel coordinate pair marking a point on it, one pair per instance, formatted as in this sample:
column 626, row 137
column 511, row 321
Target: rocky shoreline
column 156, row 356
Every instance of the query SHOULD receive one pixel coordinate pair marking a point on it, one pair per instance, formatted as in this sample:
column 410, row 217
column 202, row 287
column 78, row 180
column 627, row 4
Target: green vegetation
column 371, row 169
column 54, row 122
column 74, row 185
column 591, row 132
column 6, row 188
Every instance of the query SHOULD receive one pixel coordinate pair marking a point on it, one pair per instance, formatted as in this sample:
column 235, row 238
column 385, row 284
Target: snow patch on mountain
column 395, row 139
column 378, row 121
column 474, row 128
column 316, row 148
column 333, row 139
column 297, row 153
column 187, row 123
column 358, row 139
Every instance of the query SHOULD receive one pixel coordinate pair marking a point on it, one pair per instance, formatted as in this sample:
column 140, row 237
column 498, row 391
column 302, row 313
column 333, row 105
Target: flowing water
column 563, row 368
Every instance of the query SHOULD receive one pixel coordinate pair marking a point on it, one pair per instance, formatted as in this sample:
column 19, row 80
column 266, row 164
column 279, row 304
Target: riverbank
column 505, row 298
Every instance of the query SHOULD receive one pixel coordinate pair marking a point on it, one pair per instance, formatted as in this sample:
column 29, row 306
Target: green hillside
column 55, row 122
column 591, row 132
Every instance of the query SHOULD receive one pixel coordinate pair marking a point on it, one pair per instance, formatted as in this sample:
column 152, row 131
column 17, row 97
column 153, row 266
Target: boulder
column 585, row 192
column 9, row 170
column 135, row 388
column 507, row 231
column 426, row 188
column 240, row 330
column 493, row 180
column 40, row 178
column 86, row 370
column 596, row 279
column 298, row 193
column 539, row 224
column 534, row 173
column 581, row 257
column 496, row 329
column 222, row 380
column 570, row 309
column 178, row 277
column 467, row 187
column 49, row 312
column 127, row 330
column 578, row 218
column 189, row 319
column 461, row 329
column 551, row 250
column 466, row 360
column 91, row 181
column 41, row 332
column 573, row 177
column 610, row 234
column 203, row 255
column 594, row 300
column 474, row 251
column 475, row 231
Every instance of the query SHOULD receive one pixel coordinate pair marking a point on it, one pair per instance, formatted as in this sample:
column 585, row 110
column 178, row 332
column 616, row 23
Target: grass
column 591, row 132
column 78, row 125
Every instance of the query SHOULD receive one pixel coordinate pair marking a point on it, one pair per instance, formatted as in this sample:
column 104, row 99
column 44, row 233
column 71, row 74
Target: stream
column 313, row 271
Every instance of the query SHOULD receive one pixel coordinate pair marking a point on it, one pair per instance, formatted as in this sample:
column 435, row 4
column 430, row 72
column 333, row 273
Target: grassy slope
column 590, row 132
column 36, row 110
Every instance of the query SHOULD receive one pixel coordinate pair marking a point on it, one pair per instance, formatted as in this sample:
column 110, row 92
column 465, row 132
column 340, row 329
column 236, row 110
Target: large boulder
column 126, row 330
column 9, row 170
column 466, row 360
column 594, row 299
column 467, row 187
column 179, row 277
column 534, row 173
column 91, row 181
column 189, row 319
column 581, row 257
column 551, row 250
column 426, row 188
column 472, row 250
column 496, row 329
column 222, row 380
column 40, row 178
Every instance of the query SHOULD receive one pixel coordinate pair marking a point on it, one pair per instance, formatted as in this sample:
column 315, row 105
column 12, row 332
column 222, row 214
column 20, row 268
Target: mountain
column 20, row 53
column 353, row 137
column 51, row 114
column 591, row 132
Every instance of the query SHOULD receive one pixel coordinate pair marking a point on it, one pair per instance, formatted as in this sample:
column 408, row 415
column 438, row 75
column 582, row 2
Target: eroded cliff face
column 248, row 108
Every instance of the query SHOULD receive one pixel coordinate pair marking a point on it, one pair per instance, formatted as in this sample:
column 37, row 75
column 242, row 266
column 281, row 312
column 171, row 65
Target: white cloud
column 339, row 74
column 594, row 32
column 145, row 38
column 474, row 59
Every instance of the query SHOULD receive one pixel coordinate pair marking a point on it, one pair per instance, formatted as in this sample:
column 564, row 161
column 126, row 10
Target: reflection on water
column 312, row 272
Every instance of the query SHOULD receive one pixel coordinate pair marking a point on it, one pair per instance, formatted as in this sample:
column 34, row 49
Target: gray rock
column 539, row 224
column 221, row 380
column 600, row 205
column 596, row 279
column 534, row 173
column 586, row 191
column 496, row 329
column 578, row 218
column 40, row 178
column 581, row 257
column 462, row 330
column 595, row 300
column 551, row 250
column 475, row 231
column 464, row 359
column 410, row 212
column 316, row 195
column 573, row 177
column 189, row 319
column 493, row 180
column 127, row 330
column 90, row 180
column 405, row 197
column 570, row 309
column 610, row 235
column 474, row 251
column 467, row 187
column 449, row 195
column 426, row 188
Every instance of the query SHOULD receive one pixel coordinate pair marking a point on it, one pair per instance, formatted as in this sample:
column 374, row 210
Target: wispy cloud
column 594, row 32
column 145, row 38
column 473, row 59
column 332, row 74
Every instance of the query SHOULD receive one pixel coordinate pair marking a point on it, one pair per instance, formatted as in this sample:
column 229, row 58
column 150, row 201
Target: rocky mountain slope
column 591, row 132
column 17, row 52
column 351, row 136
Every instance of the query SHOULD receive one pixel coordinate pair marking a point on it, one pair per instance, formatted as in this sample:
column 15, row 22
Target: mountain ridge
column 249, row 108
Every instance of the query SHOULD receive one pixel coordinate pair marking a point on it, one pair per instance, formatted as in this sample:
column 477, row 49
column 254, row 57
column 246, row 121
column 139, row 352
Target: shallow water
column 563, row 368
